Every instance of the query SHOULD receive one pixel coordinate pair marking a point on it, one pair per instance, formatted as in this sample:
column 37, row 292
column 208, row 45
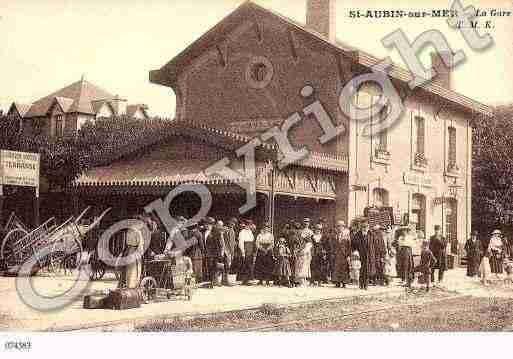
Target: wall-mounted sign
column 417, row 179
column 359, row 188
column 19, row 168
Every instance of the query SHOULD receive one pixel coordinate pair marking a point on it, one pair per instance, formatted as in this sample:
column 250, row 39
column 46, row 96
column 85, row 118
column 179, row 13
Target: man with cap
column 473, row 252
column 216, row 253
column 196, row 252
column 207, row 233
column 438, row 246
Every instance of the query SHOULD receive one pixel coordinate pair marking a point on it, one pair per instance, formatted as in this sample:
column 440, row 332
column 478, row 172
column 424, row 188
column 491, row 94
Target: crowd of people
column 306, row 253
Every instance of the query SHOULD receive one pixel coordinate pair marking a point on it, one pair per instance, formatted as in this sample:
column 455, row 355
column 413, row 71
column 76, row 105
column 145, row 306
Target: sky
column 48, row 44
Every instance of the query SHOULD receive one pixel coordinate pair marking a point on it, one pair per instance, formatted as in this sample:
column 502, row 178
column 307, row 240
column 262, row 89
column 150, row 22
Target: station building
column 248, row 74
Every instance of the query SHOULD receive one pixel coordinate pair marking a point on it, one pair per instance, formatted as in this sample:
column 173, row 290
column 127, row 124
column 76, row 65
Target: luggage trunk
column 95, row 301
column 125, row 298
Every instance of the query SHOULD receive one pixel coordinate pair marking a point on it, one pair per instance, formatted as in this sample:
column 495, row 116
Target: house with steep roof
column 65, row 111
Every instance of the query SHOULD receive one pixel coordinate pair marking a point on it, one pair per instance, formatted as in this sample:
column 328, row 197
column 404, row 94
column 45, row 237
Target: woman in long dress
column 496, row 252
column 264, row 262
column 473, row 251
column 303, row 260
column 320, row 258
column 246, row 247
column 341, row 251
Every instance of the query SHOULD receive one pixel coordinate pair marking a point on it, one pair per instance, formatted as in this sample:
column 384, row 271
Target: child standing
column 484, row 267
column 427, row 262
column 390, row 267
column 354, row 267
column 283, row 271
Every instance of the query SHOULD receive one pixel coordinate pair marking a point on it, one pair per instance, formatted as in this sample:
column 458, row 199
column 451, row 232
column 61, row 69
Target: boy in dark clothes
column 427, row 262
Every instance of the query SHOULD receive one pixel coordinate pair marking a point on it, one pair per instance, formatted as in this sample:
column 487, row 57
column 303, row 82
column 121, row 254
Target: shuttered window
column 383, row 140
column 420, row 127
column 452, row 147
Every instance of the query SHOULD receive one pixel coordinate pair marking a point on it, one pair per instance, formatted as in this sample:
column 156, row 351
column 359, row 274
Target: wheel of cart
column 166, row 276
column 148, row 286
column 97, row 267
column 8, row 245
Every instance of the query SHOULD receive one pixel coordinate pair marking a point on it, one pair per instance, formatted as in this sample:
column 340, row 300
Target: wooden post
column 37, row 220
column 271, row 202
column 1, row 206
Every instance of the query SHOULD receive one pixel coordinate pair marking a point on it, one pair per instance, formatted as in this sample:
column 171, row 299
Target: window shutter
column 420, row 135
column 452, row 146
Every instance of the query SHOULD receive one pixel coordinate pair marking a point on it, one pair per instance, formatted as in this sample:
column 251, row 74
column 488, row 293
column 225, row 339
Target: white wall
column 363, row 170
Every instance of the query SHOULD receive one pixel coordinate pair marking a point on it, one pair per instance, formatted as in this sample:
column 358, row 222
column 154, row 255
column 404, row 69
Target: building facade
column 256, row 69
column 65, row 111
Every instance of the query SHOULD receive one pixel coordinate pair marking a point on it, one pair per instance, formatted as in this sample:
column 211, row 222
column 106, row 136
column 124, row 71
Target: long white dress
column 303, row 260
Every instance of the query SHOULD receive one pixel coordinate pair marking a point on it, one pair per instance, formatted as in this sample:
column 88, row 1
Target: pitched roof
column 97, row 105
column 167, row 75
column 157, row 167
column 65, row 103
column 132, row 109
column 22, row 108
column 76, row 97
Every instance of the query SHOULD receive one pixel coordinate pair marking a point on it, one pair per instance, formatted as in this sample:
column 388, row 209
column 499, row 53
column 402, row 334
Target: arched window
column 380, row 196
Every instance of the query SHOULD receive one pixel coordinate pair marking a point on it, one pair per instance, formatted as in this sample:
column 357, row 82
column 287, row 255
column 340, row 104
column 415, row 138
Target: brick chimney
column 443, row 73
column 320, row 17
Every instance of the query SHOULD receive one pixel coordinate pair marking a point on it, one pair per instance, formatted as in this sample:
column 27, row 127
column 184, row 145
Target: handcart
column 19, row 246
column 166, row 278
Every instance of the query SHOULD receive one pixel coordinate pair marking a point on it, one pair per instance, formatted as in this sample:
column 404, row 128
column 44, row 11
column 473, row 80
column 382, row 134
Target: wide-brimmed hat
column 210, row 220
column 306, row 220
column 497, row 231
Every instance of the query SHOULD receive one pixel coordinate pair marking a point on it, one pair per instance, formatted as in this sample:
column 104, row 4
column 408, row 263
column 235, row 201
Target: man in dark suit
column 438, row 246
column 215, row 249
column 361, row 244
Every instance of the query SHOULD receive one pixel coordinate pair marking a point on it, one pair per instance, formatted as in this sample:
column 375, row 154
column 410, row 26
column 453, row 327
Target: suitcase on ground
column 95, row 301
column 125, row 298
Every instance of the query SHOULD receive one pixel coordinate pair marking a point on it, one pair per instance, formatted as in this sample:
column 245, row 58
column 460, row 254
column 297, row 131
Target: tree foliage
column 492, row 176
column 99, row 143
